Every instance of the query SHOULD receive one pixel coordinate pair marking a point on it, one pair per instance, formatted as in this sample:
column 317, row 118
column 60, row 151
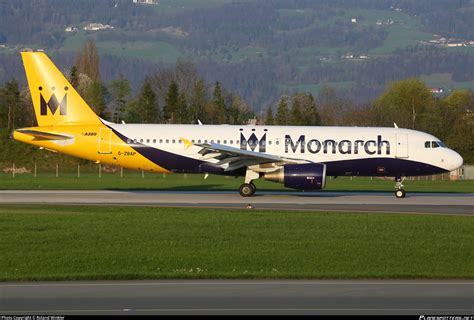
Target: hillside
column 258, row 49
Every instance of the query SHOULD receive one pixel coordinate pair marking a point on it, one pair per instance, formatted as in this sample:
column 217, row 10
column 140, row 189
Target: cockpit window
column 442, row 145
column 434, row 144
column 428, row 144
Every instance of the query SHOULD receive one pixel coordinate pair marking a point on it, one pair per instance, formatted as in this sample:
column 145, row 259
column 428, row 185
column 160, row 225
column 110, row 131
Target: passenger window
column 205, row 141
column 270, row 142
column 231, row 141
column 277, row 142
column 154, row 140
column 167, row 141
column 174, row 141
column 161, row 140
column 192, row 141
column 427, row 144
column 199, row 140
column 141, row 140
column 147, row 140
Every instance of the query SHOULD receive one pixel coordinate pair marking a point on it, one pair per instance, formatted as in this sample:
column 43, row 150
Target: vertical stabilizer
column 55, row 101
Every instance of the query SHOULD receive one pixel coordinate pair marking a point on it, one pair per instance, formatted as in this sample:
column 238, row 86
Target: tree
column 87, row 60
column 11, row 99
column 185, row 76
column 404, row 102
column 132, row 112
column 120, row 91
column 311, row 115
column 459, row 133
column 239, row 112
column 296, row 117
column 281, row 117
column 95, row 95
column 74, row 77
column 332, row 107
column 219, row 104
column 148, row 108
column 269, row 116
column 198, row 102
column 182, row 113
column 171, row 103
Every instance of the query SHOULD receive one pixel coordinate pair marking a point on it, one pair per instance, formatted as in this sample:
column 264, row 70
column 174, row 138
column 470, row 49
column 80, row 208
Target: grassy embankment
column 81, row 242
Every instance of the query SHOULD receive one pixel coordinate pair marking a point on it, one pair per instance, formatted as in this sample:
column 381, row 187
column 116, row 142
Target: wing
column 235, row 158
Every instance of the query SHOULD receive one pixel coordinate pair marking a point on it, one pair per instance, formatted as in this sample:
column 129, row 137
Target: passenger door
column 105, row 141
column 402, row 145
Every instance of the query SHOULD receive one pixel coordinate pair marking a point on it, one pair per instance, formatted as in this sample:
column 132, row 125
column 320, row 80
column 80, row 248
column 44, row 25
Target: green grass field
column 81, row 242
column 149, row 181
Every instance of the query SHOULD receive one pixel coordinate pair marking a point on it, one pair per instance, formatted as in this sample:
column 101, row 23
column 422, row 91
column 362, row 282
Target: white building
column 71, row 29
column 146, row 1
column 97, row 26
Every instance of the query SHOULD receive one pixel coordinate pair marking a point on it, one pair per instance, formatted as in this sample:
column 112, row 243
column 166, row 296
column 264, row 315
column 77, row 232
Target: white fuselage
column 346, row 150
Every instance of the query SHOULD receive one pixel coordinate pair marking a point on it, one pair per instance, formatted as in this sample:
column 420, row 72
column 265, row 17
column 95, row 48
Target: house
column 97, row 26
column 71, row 29
column 354, row 20
column 146, row 1
column 455, row 44
column 436, row 90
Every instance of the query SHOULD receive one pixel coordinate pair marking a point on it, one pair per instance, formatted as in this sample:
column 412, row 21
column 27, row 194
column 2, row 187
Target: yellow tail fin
column 55, row 101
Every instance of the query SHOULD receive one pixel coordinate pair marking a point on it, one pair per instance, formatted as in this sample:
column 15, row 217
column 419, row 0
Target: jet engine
column 308, row 176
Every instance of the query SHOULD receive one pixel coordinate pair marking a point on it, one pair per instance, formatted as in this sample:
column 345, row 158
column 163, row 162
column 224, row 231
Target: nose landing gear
column 399, row 191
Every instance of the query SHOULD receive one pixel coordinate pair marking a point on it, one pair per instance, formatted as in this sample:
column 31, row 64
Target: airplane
column 298, row 157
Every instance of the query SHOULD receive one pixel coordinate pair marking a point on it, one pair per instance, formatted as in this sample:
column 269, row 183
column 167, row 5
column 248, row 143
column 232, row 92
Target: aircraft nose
column 455, row 160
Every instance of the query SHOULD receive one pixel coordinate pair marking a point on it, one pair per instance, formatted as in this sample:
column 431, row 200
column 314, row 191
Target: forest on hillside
column 258, row 49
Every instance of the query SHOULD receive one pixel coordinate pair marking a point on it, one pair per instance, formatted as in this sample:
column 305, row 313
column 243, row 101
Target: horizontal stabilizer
column 43, row 135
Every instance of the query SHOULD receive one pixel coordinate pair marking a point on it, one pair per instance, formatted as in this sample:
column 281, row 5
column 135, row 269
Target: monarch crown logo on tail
column 53, row 103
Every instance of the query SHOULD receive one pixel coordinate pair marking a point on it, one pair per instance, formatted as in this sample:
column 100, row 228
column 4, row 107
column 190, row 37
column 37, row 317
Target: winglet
column 395, row 125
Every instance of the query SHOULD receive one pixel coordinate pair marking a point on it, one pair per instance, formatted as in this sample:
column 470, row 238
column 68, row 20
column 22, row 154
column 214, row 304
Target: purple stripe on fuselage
column 387, row 167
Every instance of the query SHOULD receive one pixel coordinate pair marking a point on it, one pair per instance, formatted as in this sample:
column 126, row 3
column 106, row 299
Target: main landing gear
column 399, row 191
column 248, row 189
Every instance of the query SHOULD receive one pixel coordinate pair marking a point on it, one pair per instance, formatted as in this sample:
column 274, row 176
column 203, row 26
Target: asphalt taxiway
column 239, row 297
column 432, row 203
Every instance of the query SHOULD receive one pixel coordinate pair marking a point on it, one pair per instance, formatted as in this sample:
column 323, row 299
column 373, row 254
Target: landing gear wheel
column 400, row 193
column 253, row 187
column 247, row 190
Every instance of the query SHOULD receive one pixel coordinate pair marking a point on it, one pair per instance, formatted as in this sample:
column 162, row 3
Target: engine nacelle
column 308, row 176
